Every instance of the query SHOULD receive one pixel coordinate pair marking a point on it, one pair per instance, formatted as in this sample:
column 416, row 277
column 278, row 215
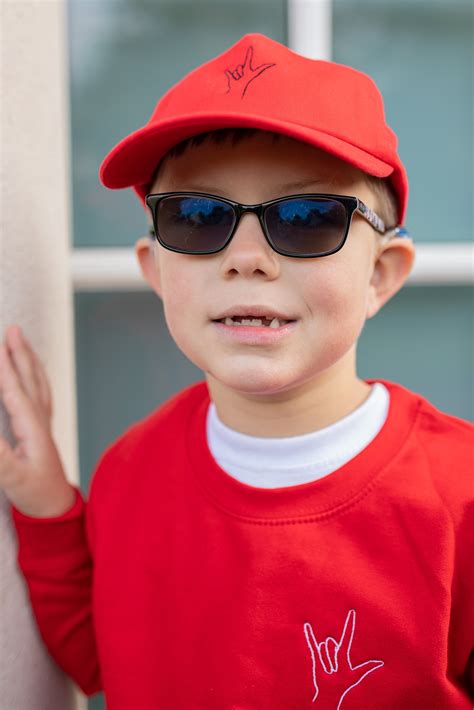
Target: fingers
column 7, row 462
column 331, row 648
column 6, row 451
column 31, row 375
column 315, row 646
column 364, row 669
column 40, row 374
column 345, row 642
column 327, row 651
column 22, row 362
column 248, row 56
column 24, row 418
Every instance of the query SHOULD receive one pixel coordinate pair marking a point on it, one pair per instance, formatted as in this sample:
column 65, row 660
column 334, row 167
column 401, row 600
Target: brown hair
column 386, row 202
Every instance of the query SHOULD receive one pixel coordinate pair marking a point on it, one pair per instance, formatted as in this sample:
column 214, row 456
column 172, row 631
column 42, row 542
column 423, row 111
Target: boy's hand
column 31, row 474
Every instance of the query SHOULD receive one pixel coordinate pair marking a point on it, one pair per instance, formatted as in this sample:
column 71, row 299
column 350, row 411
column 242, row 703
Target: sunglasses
column 308, row 225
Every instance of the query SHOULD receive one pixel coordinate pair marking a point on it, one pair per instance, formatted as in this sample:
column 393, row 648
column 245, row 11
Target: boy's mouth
column 258, row 316
column 251, row 320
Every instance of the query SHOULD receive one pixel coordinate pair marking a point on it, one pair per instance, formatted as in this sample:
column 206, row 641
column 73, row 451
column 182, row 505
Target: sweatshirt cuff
column 75, row 511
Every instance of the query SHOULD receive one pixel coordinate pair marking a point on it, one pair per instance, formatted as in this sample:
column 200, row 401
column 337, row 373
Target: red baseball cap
column 260, row 83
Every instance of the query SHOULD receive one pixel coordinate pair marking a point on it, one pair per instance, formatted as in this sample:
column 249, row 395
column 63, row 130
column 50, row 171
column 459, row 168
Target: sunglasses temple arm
column 378, row 223
column 397, row 231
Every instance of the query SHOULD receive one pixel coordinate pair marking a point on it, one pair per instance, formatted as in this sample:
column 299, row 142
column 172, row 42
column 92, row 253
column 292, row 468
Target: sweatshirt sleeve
column 56, row 559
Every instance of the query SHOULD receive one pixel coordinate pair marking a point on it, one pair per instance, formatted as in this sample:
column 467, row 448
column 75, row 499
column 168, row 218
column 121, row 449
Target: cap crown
column 270, row 80
column 261, row 83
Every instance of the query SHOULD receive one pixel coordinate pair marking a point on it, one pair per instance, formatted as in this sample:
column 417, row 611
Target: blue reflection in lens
column 306, row 226
column 202, row 211
column 299, row 212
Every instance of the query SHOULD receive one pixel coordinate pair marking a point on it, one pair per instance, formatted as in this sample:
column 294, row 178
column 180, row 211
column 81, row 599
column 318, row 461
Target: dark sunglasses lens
column 194, row 224
column 312, row 226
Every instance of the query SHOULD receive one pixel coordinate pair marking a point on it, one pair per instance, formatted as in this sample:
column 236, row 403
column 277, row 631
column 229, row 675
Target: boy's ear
column 392, row 265
column 148, row 258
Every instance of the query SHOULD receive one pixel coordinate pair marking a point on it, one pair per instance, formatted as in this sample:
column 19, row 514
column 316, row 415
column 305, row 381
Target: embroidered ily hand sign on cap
column 245, row 71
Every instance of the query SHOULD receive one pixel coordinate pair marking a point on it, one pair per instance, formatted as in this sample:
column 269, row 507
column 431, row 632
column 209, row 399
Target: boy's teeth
column 274, row 323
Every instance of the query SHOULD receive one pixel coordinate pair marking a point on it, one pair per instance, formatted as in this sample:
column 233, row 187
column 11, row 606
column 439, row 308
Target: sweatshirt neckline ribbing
column 307, row 502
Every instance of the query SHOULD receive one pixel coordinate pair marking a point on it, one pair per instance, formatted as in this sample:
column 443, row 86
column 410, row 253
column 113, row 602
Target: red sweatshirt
column 177, row 587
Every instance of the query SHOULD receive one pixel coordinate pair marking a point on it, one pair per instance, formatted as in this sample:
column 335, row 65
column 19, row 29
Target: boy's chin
column 252, row 383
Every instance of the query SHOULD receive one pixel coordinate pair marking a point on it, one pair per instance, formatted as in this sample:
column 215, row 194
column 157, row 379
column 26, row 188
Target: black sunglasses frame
column 350, row 203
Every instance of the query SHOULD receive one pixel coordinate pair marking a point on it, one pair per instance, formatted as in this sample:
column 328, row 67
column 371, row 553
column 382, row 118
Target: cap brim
column 132, row 162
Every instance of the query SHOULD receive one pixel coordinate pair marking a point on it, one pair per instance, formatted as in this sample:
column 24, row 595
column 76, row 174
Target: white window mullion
column 310, row 28
column 111, row 269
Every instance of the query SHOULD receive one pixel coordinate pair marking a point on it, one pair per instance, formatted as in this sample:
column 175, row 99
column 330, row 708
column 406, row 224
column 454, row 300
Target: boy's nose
column 249, row 252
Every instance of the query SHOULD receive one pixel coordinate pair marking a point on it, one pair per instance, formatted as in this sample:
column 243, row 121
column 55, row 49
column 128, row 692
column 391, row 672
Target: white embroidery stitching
column 329, row 658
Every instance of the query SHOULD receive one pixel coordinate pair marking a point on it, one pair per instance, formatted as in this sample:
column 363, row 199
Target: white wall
column 35, row 292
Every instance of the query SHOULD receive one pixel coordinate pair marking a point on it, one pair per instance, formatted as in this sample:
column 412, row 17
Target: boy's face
column 328, row 297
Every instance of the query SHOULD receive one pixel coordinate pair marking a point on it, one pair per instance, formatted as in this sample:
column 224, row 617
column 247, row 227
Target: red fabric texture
column 261, row 83
column 177, row 586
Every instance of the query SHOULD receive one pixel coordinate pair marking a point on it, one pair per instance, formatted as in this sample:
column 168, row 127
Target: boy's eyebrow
column 297, row 185
column 305, row 183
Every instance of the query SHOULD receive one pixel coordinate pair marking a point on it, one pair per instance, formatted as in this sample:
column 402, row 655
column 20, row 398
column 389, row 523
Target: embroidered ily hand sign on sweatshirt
column 333, row 673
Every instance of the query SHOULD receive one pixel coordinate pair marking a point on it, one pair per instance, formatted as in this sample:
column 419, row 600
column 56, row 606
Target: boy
column 283, row 534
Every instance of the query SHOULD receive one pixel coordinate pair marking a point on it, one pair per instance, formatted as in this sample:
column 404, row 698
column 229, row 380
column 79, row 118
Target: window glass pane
column 420, row 53
column 127, row 363
column 124, row 55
